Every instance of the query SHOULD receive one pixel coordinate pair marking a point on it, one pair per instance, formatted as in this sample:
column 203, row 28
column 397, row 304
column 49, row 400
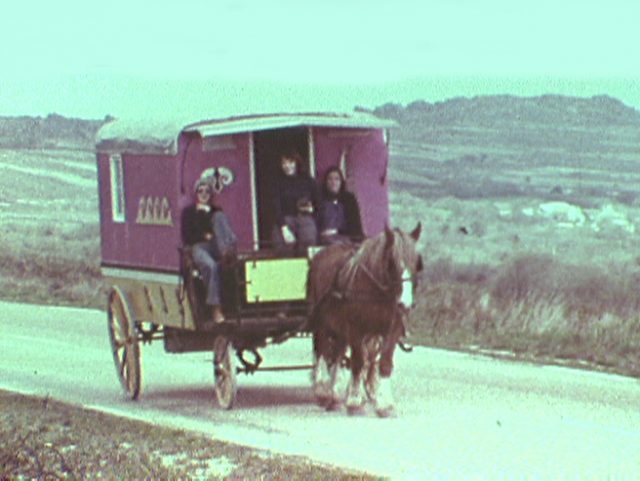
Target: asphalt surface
column 458, row 416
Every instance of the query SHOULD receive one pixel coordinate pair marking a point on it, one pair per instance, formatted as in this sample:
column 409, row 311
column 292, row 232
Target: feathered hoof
column 332, row 405
column 386, row 412
column 371, row 395
column 356, row 410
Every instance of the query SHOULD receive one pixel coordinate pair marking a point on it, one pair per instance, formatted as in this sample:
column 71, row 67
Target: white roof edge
column 162, row 137
column 281, row 121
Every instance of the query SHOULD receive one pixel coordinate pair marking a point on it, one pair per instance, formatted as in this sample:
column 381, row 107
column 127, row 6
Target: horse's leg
column 372, row 350
column 320, row 375
column 337, row 352
column 355, row 397
column 384, row 404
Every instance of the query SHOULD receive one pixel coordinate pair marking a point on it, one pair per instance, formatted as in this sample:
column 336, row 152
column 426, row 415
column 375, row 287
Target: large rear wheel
column 124, row 344
column 224, row 372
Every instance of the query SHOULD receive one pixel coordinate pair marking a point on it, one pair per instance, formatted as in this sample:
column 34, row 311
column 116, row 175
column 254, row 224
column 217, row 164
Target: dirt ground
column 45, row 439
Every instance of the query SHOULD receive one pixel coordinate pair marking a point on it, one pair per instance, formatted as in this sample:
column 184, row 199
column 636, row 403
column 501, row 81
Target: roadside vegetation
column 52, row 264
column 534, row 308
column 530, row 209
column 48, row 440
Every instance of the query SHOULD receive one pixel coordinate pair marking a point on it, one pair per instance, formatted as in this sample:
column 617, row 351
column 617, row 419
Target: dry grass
column 57, row 264
column 535, row 306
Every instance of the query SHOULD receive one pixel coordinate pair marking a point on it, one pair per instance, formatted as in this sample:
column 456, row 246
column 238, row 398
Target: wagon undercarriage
column 235, row 344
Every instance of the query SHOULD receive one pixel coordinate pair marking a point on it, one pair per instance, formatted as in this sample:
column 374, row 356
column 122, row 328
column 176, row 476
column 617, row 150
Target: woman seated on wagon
column 295, row 201
column 205, row 228
column 339, row 217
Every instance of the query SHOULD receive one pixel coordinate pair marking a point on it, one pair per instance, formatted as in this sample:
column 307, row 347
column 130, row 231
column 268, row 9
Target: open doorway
column 268, row 145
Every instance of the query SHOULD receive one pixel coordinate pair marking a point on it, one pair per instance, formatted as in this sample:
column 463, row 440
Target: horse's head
column 404, row 263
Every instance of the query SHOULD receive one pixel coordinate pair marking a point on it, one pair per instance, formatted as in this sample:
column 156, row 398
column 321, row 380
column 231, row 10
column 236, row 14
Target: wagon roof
column 161, row 137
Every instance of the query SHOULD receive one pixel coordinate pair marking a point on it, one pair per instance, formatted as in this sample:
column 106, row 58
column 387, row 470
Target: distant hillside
column 548, row 119
column 496, row 110
column 581, row 150
column 53, row 131
column 572, row 124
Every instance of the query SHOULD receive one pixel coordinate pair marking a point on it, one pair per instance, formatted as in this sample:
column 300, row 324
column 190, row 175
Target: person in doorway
column 206, row 229
column 295, row 203
column 339, row 216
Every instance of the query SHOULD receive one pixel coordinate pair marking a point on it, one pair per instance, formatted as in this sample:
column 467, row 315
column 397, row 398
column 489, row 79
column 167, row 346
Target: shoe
column 216, row 315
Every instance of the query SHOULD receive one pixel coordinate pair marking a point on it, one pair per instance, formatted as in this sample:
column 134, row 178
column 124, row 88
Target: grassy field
column 531, row 253
column 531, row 241
column 49, row 222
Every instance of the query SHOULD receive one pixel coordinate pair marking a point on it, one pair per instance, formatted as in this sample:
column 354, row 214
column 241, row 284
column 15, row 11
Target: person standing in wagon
column 206, row 229
column 295, row 202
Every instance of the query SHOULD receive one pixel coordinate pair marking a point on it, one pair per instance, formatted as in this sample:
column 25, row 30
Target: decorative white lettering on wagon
column 154, row 211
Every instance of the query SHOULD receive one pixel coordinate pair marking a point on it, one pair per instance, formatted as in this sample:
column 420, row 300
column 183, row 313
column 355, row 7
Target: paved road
column 459, row 416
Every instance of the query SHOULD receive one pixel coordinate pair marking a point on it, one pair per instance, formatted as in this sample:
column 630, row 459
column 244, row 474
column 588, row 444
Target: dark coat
column 353, row 221
column 287, row 191
column 195, row 224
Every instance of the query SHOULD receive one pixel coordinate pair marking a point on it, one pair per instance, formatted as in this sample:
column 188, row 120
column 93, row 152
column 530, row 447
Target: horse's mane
column 371, row 253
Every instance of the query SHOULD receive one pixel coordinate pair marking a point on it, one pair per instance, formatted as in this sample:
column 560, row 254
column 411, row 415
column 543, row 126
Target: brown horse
column 359, row 298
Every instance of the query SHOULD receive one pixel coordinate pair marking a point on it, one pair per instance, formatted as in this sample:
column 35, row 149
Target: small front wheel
column 224, row 372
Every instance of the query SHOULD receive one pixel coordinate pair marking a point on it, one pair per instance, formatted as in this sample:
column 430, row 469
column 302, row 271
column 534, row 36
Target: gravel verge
column 41, row 438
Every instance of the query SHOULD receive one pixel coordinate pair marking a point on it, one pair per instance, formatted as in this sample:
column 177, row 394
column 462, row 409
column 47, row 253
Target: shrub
column 535, row 305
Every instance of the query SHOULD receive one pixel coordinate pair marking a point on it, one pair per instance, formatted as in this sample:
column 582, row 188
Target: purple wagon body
column 146, row 178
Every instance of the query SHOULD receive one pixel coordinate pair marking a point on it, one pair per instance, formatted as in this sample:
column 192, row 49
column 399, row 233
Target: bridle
column 384, row 289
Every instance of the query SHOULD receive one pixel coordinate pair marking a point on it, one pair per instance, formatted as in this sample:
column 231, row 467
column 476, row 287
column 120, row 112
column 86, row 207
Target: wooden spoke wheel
column 224, row 372
column 124, row 344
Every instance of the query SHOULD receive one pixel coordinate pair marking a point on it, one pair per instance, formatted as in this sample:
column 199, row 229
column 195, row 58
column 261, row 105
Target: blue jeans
column 207, row 254
column 303, row 227
column 204, row 255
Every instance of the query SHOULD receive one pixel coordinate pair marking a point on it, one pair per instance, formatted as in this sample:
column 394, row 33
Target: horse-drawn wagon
column 146, row 172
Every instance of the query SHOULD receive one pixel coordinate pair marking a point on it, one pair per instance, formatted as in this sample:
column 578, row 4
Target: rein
column 384, row 289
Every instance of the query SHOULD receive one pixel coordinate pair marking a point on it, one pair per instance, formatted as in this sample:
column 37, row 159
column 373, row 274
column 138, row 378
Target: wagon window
column 117, row 188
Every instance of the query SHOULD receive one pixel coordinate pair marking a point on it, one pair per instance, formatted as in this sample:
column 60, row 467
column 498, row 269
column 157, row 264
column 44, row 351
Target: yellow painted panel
column 276, row 280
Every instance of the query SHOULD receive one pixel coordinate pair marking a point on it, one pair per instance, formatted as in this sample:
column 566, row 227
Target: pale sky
column 85, row 58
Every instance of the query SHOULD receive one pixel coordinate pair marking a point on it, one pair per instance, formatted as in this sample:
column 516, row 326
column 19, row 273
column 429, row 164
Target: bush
column 533, row 305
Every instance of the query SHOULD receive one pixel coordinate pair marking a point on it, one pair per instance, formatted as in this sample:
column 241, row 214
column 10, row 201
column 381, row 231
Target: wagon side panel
column 147, row 232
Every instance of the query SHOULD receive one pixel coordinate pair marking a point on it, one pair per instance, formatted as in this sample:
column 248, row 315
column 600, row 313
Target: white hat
column 202, row 181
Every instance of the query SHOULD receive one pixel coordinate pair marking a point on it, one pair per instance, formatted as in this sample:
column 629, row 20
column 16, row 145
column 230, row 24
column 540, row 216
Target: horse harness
column 347, row 294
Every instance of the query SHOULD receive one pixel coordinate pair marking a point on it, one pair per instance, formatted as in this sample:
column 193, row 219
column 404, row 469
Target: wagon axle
column 251, row 366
